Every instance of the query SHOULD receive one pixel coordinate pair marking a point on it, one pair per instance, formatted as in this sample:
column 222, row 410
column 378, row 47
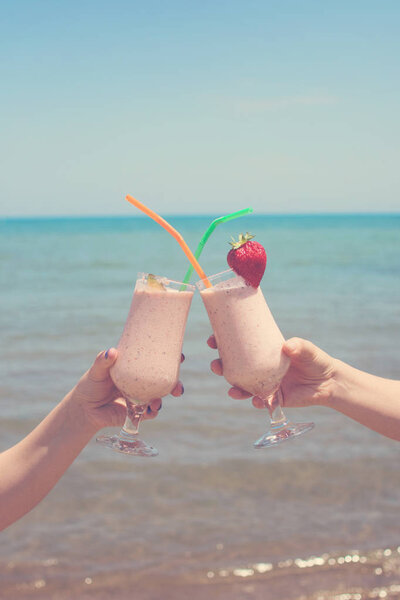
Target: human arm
column 31, row 468
column 316, row 378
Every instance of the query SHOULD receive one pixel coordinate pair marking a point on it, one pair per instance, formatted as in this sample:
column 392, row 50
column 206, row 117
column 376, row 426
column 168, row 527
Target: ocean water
column 210, row 516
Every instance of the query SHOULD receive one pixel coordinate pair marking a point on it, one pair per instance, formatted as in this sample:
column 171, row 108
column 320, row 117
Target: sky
column 199, row 106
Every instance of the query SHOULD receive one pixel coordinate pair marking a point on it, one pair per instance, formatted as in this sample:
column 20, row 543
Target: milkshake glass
column 250, row 347
column 149, row 355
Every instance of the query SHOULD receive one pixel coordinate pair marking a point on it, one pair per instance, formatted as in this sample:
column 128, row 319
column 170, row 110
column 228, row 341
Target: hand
column 100, row 400
column 308, row 381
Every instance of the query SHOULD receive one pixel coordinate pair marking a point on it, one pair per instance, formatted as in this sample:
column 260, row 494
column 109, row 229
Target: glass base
column 282, row 434
column 133, row 446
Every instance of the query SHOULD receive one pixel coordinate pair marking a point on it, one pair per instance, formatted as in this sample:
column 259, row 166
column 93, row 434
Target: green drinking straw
column 212, row 226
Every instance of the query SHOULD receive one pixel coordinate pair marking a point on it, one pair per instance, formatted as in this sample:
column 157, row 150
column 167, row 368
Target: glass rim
column 142, row 276
column 201, row 283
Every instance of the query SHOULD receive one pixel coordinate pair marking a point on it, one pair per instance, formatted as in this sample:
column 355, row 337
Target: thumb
column 101, row 366
column 304, row 352
column 300, row 350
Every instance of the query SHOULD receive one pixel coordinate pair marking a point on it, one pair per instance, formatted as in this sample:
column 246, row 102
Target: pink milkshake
column 250, row 346
column 149, row 354
column 149, row 350
column 249, row 341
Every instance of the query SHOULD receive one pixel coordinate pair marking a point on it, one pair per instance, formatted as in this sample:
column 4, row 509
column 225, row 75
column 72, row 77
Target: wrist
column 341, row 383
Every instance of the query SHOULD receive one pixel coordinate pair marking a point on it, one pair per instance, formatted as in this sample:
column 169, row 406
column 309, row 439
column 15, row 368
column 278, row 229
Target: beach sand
column 352, row 576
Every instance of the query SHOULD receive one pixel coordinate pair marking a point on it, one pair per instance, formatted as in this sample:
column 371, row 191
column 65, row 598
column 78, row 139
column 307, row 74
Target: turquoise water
column 66, row 286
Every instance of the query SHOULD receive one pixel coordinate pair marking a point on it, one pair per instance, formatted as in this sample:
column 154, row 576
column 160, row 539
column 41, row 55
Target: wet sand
column 351, row 576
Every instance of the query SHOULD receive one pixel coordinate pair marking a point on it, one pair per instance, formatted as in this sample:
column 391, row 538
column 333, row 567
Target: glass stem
column 134, row 415
column 278, row 419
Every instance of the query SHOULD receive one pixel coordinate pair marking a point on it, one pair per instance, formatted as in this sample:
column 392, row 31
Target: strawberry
column 248, row 259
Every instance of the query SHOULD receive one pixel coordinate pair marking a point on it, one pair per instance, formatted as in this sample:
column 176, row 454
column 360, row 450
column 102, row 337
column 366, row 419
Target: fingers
column 99, row 371
column 216, row 366
column 156, row 405
column 212, row 342
column 238, row 394
column 259, row 402
column 178, row 389
column 153, row 409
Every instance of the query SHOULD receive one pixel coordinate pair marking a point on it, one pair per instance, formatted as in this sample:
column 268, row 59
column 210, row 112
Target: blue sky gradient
column 199, row 107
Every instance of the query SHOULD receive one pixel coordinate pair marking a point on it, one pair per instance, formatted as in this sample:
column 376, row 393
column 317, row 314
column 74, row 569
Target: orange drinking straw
column 153, row 215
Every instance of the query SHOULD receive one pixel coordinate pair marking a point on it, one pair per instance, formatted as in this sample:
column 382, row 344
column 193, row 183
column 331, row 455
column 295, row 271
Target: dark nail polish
column 149, row 410
column 106, row 353
column 183, row 389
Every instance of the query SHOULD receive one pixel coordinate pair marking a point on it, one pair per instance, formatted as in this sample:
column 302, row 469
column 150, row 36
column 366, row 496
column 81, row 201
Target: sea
column 316, row 518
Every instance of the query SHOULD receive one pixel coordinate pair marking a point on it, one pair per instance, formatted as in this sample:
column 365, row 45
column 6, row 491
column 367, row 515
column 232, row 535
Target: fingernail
column 106, row 353
column 183, row 389
column 149, row 409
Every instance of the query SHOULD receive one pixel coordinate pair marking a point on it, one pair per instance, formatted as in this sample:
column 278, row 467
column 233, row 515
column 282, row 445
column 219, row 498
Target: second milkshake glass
column 149, row 355
column 250, row 347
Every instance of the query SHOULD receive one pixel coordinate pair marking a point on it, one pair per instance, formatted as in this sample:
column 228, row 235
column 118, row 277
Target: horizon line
column 198, row 215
